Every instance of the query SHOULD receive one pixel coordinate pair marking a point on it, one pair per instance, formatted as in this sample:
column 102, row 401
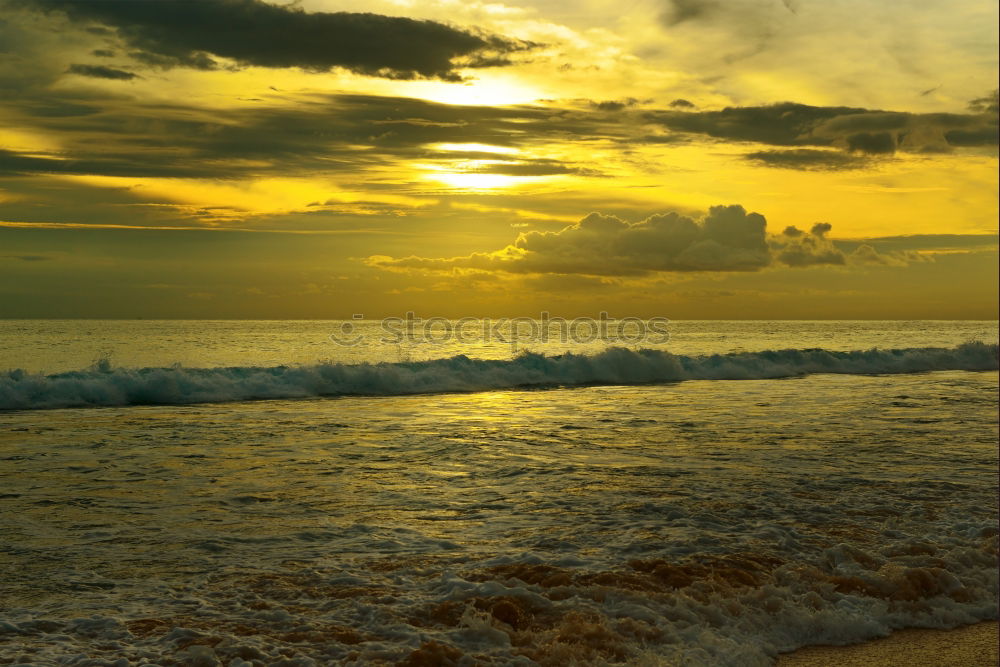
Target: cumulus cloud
column 867, row 254
column 726, row 239
column 253, row 32
column 797, row 248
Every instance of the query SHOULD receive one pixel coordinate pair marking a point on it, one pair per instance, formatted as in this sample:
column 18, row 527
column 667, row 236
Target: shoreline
column 973, row 645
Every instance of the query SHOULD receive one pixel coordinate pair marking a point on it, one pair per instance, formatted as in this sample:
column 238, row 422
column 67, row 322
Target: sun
column 473, row 181
column 487, row 89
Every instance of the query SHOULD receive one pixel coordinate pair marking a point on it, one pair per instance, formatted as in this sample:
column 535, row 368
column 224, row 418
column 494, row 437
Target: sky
column 688, row 159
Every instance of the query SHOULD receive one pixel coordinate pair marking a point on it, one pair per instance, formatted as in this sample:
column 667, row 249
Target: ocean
column 356, row 493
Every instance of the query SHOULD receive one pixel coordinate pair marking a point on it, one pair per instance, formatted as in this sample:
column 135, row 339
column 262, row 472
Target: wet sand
column 968, row 646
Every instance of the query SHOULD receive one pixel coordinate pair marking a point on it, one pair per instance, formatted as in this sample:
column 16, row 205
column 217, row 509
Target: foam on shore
column 967, row 646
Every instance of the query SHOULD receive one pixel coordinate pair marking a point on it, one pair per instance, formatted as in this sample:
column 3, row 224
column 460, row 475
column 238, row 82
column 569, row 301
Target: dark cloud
column 679, row 11
column 56, row 108
column 931, row 243
column 351, row 134
column 821, row 229
column 785, row 124
column 101, row 72
column 809, row 159
column 873, row 143
column 252, row 32
column 749, row 26
column 988, row 104
column 615, row 105
column 29, row 258
column 681, row 103
column 13, row 163
column 867, row 254
column 983, row 136
column 865, row 121
column 196, row 60
column 796, row 248
column 850, row 129
column 737, row 13
column 799, row 249
column 323, row 134
column 532, row 168
column 726, row 239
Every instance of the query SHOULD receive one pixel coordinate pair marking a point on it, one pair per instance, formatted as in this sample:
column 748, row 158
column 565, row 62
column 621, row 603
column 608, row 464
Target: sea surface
column 327, row 493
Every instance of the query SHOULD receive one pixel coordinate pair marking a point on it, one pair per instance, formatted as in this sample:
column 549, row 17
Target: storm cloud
column 252, row 32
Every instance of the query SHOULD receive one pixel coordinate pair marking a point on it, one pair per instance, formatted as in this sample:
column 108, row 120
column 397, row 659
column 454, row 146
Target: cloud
column 18, row 164
column 679, row 11
column 882, row 132
column 807, row 159
column 101, row 72
column 949, row 243
column 867, row 254
column 30, row 258
column 321, row 136
column 785, row 124
column 799, row 249
column 614, row 105
column 853, row 130
column 754, row 17
column 983, row 136
column 252, row 32
column 873, row 143
column 737, row 29
column 988, row 104
column 726, row 239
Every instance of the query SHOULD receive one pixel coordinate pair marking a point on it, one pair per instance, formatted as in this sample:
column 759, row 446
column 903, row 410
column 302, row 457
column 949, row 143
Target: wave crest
column 106, row 386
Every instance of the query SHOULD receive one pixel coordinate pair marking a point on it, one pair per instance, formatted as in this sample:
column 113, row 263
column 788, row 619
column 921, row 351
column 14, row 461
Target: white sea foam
column 106, row 386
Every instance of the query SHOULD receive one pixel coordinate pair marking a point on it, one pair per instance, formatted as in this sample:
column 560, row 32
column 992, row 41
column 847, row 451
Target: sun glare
column 475, row 148
column 472, row 181
column 487, row 89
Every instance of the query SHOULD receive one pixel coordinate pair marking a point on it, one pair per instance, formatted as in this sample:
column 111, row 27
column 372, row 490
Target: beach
column 967, row 646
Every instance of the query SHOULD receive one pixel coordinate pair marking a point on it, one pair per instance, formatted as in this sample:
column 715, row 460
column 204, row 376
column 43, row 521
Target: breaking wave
column 103, row 385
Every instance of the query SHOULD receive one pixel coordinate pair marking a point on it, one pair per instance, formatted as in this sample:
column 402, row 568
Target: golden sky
column 742, row 159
